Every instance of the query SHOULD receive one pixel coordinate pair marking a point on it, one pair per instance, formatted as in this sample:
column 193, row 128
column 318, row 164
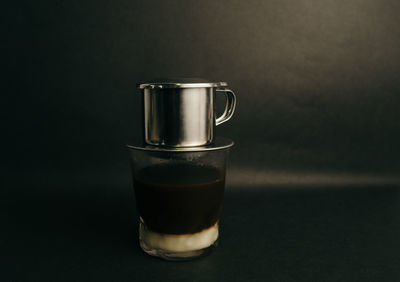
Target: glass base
column 178, row 247
column 178, row 256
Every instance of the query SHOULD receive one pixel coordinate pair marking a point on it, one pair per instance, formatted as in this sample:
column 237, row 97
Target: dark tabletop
column 287, row 233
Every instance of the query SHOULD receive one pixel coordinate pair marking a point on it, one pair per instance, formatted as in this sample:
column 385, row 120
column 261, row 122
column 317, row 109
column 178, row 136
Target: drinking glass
column 179, row 194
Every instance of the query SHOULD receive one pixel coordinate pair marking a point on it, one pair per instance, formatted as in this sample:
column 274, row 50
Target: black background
column 317, row 129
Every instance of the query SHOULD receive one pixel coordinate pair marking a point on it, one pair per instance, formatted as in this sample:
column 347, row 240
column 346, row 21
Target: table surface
column 267, row 234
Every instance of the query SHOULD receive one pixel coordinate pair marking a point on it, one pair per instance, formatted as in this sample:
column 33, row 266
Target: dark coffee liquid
column 179, row 199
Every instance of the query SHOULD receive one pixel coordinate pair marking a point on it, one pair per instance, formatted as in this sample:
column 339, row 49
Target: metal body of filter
column 181, row 113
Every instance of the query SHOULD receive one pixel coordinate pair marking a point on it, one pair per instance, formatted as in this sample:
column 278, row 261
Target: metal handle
column 229, row 106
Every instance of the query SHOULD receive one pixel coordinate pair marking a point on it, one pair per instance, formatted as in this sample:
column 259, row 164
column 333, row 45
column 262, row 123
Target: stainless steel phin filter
column 181, row 113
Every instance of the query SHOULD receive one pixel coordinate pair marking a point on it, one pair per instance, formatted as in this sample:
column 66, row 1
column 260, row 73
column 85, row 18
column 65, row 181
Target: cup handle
column 229, row 106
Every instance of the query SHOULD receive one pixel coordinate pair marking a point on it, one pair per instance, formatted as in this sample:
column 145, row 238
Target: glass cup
column 179, row 195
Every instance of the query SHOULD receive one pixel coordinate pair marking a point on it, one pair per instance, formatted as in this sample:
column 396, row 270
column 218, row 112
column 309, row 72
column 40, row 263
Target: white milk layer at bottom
column 181, row 242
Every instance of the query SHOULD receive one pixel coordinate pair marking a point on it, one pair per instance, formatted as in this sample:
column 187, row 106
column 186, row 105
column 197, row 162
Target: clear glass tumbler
column 179, row 195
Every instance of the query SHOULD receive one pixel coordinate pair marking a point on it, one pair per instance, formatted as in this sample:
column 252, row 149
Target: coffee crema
column 179, row 198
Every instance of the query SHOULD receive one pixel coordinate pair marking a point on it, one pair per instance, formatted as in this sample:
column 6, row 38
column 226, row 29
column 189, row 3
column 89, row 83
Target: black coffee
column 179, row 199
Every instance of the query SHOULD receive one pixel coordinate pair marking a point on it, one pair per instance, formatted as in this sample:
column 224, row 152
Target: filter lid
column 180, row 83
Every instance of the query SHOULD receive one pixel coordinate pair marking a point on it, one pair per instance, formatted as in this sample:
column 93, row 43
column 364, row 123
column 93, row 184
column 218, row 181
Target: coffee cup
column 179, row 193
